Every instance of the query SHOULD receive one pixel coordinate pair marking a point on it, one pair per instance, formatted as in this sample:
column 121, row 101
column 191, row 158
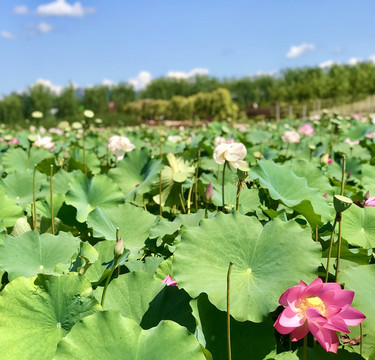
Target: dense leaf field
column 127, row 243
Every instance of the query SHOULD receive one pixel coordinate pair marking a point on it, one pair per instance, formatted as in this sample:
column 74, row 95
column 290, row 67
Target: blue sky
column 88, row 42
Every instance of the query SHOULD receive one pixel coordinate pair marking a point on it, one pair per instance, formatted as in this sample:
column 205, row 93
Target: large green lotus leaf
column 267, row 261
column 249, row 340
column 361, row 280
column 293, row 191
column 16, row 159
column 135, row 174
column 19, row 186
column 318, row 353
column 44, row 206
column 367, row 179
column 313, row 174
column 131, row 294
column 358, row 226
column 30, row 253
column 37, row 312
column 60, row 181
column 287, row 355
column 86, row 194
column 9, row 210
column 104, row 263
column 92, row 161
column 108, row 335
column 134, row 224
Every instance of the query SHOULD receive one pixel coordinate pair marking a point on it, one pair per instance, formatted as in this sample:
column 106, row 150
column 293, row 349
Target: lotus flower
column 291, row 136
column 232, row 153
column 325, row 159
column 322, row 308
column 174, row 138
column 168, row 280
column 44, row 142
column 221, row 140
column 370, row 201
column 118, row 145
column 351, row 143
column 371, row 135
column 306, row 129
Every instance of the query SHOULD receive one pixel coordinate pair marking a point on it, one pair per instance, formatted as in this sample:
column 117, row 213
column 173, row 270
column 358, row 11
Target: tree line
column 200, row 96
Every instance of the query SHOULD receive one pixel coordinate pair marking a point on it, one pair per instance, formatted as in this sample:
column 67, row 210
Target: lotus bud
column 367, row 195
column 243, row 173
column 341, row 203
column 119, row 248
column 209, row 193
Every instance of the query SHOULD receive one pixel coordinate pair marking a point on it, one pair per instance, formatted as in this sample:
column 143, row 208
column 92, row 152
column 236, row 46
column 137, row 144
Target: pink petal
column 351, row 316
column 291, row 319
column 168, row 280
column 336, row 323
column 282, row 329
column 300, row 332
column 327, row 338
column 315, row 316
column 337, row 298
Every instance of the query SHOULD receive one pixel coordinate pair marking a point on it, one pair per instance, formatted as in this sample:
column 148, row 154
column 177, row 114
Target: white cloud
column 299, row 50
column 354, row 61
column 141, row 81
column 326, row 64
column 48, row 84
column 63, row 8
column 108, row 83
column 7, row 35
column 186, row 75
column 372, row 58
column 44, row 28
column 266, row 73
column 21, row 10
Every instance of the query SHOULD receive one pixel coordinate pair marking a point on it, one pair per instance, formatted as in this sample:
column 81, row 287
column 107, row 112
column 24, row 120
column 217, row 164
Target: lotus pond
column 138, row 243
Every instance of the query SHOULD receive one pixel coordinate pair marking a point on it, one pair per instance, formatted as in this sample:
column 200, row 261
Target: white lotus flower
column 44, row 142
column 291, row 136
column 232, row 153
column 120, row 144
column 174, row 138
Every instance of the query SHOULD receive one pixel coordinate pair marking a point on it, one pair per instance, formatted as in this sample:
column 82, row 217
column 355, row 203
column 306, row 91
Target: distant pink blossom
column 351, row 143
column 14, row 141
column 370, row 201
column 111, row 105
column 306, row 129
column 291, row 136
column 329, row 161
column 168, row 280
column 321, row 308
column 325, row 195
column 371, row 135
column 356, row 116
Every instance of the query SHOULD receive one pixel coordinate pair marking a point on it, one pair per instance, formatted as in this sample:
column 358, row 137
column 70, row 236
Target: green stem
column 330, row 247
column 160, row 206
column 239, row 187
column 343, row 174
column 228, row 311
column 338, row 250
column 316, row 233
column 84, row 151
column 361, row 339
column 182, row 202
column 305, row 348
column 34, row 198
column 222, row 193
column 196, row 181
column 188, row 199
column 206, row 212
column 107, row 282
column 51, row 201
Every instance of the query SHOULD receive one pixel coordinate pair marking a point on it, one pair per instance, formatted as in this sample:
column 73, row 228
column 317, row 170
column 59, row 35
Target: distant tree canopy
column 200, row 96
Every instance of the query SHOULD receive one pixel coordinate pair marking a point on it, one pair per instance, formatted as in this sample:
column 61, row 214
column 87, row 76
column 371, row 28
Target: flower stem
column 34, row 198
column 51, row 201
column 316, row 233
column 228, row 310
column 107, row 282
column 188, row 199
column 239, row 187
column 196, row 181
column 343, row 174
column 222, row 193
column 330, row 247
column 182, row 202
column 361, row 339
column 160, row 206
column 305, row 348
column 338, row 250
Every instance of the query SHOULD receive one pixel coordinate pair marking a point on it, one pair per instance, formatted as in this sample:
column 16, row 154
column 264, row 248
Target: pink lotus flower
column 168, row 280
column 306, row 129
column 322, row 308
column 371, row 135
column 14, row 141
column 291, row 137
column 370, row 201
column 351, row 143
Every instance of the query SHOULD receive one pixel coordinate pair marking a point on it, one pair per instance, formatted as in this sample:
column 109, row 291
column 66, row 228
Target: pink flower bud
column 209, row 193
